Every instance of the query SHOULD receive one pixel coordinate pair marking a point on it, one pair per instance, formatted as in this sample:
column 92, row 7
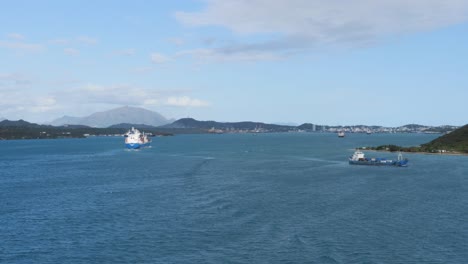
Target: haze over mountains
column 126, row 114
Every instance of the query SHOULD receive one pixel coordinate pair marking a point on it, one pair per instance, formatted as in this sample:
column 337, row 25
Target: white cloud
column 142, row 70
column 151, row 102
column 220, row 55
column 176, row 41
column 93, row 94
column 327, row 20
column 60, row 41
column 87, row 40
column 121, row 95
column 159, row 58
column 13, row 79
column 289, row 26
column 185, row 101
column 78, row 41
column 42, row 104
column 83, row 99
column 125, row 52
column 21, row 46
column 46, row 100
column 15, row 36
column 29, row 102
column 20, row 99
column 71, row 51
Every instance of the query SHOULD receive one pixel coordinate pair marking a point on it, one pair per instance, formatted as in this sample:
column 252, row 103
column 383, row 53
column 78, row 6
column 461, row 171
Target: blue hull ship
column 136, row 145
column 359, row 158
column 134, row 139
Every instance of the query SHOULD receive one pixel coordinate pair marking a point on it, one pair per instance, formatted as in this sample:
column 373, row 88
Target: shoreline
column 419, row 152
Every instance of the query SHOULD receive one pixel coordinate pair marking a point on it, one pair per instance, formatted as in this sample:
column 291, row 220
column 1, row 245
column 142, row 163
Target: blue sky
column 326, row 62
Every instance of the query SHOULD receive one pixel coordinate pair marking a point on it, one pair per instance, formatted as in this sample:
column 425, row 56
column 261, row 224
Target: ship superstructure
column 134, row 139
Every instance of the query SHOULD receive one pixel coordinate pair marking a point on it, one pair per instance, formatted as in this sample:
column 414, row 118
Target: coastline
column 418, row 152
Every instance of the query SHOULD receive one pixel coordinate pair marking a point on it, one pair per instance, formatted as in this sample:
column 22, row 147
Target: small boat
column 134, row 139
column 369, row 132
column 257, row 129
column 358, row 158
column 215, row 131
column 341, row 134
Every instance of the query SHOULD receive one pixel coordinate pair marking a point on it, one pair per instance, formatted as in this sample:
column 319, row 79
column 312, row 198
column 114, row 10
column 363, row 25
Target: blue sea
column 230, row 198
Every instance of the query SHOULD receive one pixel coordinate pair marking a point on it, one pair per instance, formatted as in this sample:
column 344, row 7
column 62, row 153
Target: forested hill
column 247, row 125
column 454, row 141
column 24, row 130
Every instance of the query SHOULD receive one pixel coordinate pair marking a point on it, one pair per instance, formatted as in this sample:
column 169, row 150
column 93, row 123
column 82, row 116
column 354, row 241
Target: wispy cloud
column 185, row 101
column 159, row 58
column 87, row 40
column 30, row 104
column 78, row 41
column 17, row 95
column 301, row 25
column 125, row 52
column 71, row 51
column 20, row 46
column 87, row 98
column 13, row 79
column 176, row 41
column 15, row 36
column 126, row 95
column 328, row 20
column 60, row 41
column 43, row 104
column 222, row 55
column 142, row 70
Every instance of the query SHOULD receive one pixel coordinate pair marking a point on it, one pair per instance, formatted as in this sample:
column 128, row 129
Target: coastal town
column 346, row 129
column 24, row 130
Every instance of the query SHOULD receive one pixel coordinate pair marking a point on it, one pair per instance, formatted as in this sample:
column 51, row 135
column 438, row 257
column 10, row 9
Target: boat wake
column 192, row 156
column 320, row 163
column 319, row 160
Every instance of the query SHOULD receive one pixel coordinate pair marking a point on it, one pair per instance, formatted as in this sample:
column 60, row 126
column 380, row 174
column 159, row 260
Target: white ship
column 134, row 139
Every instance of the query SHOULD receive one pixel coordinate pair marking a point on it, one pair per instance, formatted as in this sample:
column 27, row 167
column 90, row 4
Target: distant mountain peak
column 119, row 115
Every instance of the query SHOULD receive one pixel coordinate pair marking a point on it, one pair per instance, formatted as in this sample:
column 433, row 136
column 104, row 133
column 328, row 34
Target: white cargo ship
column 134, row 139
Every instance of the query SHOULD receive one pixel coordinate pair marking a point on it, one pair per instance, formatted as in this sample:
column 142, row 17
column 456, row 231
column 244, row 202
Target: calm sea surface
column 266, row 198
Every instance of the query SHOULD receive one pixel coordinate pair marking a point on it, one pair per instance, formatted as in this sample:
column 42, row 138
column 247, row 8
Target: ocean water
column 231, row 198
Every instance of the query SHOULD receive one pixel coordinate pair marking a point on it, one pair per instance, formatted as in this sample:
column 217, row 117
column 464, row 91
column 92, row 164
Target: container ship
column 134, row 139
column 358, row 158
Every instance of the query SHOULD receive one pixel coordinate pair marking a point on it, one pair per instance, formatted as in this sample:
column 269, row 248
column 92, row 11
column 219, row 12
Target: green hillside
column 25, row 130
column 454, row 141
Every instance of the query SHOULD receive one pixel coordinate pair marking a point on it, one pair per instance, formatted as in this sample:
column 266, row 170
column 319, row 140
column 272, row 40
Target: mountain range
column 246, row 125
column 126, row 114
column 190, row 123
column 454, row 142
column 126, row 117
column 22, row 129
